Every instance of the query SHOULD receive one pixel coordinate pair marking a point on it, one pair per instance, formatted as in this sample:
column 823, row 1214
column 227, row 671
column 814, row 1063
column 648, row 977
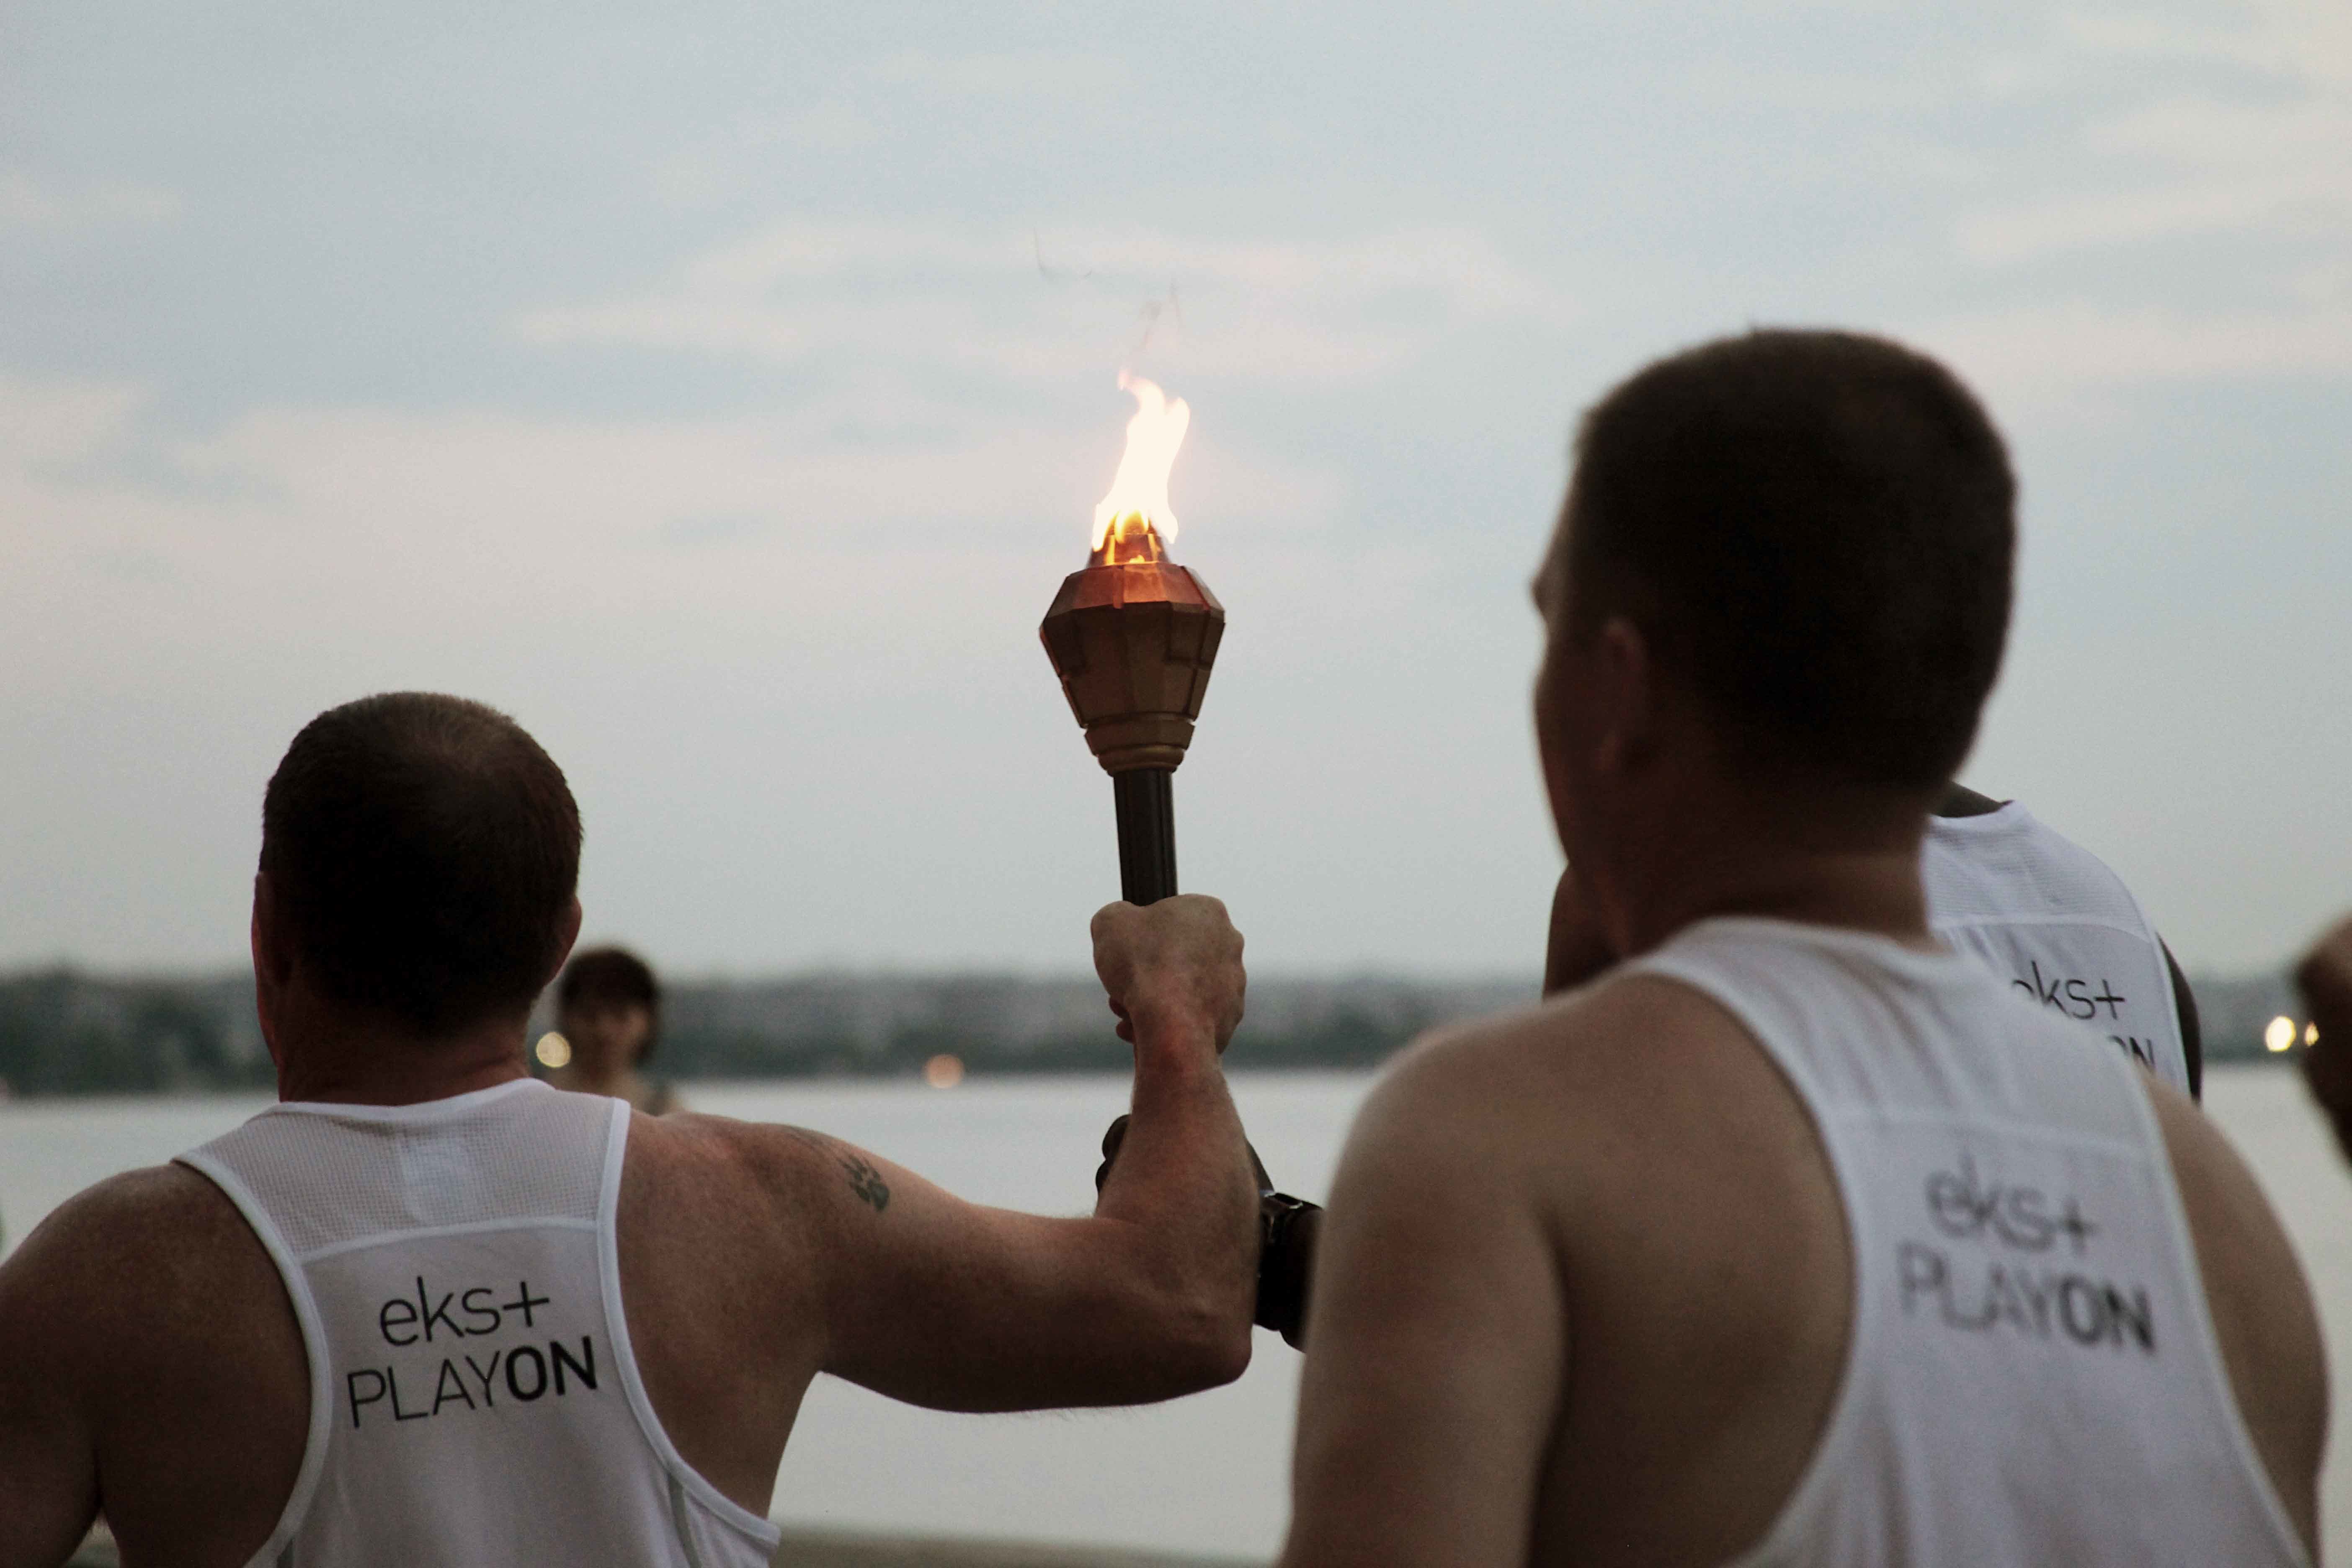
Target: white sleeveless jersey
column 2050, row 918
column 473, row 1397
column 2031, row 1374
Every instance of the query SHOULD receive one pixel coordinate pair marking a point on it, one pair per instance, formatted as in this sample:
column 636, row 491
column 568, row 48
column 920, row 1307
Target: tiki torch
column 1133, row 636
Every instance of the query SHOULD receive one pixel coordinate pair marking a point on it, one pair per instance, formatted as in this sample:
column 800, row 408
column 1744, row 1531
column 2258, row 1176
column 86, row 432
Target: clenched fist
column 1172, row 968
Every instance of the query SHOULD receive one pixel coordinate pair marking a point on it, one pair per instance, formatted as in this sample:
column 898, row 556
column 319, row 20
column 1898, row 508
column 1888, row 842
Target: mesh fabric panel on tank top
column 336, row 1176
column 2031, row 1372
column 2049, row 917
column 2009, row 867
column 475, row 1396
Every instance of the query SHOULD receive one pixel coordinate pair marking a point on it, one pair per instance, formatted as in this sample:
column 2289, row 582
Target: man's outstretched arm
column 954, row 1305
column 149, row 1359
column 48, row 1469
column 1439, row 1337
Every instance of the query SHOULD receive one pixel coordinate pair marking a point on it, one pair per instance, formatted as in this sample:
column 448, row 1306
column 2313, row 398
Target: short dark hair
column 1817, row 530
column 607, row 976
column 612, row 977
column 422, row 853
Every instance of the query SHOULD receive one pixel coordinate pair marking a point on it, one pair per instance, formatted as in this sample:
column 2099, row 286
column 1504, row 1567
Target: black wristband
column 1286, row 1228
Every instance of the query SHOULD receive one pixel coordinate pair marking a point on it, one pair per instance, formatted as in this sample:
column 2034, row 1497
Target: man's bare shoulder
column 151, row 1269
column 2261, row 1304
column 782, row 1170
column 134, row 1316
column 1588, row 1053
column 111, row 1247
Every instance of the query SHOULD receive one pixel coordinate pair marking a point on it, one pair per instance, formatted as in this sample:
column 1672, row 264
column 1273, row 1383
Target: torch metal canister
column 1133, row 638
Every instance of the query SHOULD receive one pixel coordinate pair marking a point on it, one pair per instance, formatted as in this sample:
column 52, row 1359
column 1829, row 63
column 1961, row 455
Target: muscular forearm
column 48, row 1474
column 1182, row 1196
column 965, row 1307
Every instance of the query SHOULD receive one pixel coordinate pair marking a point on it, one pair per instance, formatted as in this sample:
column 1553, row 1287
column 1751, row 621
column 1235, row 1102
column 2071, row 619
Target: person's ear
column 1624, row 697
column 272, row 960
column 570, row 934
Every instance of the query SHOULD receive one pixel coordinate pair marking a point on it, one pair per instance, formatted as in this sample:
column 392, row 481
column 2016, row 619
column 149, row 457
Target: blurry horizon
column 724, row 392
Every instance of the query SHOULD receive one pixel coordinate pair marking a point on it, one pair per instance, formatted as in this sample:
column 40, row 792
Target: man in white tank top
column 2037, row 909
column 2052, row 918
column 427, row 1310
column 1795, row 1237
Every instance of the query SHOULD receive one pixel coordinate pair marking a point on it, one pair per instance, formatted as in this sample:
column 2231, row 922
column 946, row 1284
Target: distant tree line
column 65, row 1032
column 867, row 1025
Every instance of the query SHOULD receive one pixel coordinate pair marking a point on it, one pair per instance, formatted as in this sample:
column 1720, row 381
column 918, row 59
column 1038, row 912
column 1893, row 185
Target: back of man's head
column 422, row 853
column 1815, row 531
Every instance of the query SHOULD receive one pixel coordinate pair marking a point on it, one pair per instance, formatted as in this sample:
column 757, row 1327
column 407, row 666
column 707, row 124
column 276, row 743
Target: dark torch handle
column 1147, row 833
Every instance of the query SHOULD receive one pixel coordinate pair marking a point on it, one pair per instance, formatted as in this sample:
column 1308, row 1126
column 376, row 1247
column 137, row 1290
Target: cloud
column 2312, row 200
column 753, row 149
column 2271, row 156
column 376, row 524
column 2043, row 353
column 2302, row 39
column 2227, row 168
column 1020, row 74
column 27, row 203
column 1027, row 305
column 48, row 423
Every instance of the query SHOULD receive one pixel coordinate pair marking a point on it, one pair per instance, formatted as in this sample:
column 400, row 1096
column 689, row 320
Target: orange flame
column 1133, row 518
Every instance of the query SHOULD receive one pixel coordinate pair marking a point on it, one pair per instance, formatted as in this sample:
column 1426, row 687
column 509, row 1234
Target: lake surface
column 1207, row 1474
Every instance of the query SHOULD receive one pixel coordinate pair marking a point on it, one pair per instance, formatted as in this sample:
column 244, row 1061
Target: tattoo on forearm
column 864, row 1179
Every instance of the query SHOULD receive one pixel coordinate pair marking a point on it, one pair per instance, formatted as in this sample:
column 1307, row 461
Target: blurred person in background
column 2032, row 906
column 426, row 1310
column 1797, row 1237
column 2325, row 978
column 608, row 1017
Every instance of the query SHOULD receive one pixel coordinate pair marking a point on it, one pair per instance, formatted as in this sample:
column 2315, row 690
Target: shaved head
column 422, row 853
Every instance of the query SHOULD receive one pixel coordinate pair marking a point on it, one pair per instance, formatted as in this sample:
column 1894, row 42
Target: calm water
column 1205, row 1474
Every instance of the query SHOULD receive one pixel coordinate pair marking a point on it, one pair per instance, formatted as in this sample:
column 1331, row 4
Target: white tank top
column 2058, row 925
column 2031, row 1374
column 473, row 1397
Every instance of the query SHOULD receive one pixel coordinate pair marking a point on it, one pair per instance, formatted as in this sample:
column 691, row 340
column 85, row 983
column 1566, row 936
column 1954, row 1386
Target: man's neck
column 1831, row 868
column 1869, row 891
column 618, row 1080
column 346, row 1060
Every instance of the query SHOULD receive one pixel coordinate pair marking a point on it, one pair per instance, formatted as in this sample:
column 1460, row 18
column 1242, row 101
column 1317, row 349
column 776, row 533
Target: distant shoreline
column 65, row 1032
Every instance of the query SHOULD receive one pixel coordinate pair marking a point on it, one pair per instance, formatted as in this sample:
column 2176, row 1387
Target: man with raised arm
column 2034, row 906
column 1795, row 1237
column 430, row 1311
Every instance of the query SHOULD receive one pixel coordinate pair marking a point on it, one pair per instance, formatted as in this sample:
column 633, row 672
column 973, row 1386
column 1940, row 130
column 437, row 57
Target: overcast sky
column 723, row 389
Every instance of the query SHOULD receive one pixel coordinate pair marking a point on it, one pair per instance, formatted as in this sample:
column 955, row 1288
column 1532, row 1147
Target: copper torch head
column 1133, row 638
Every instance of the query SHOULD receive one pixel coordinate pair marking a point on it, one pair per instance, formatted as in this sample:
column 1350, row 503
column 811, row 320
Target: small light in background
column 944, row 1072
column 2280, row 1033
column 2311, row 1034
column 554, row 1051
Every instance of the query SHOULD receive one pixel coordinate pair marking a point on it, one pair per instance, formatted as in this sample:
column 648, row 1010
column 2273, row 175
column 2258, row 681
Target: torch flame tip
column 1136, row 506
